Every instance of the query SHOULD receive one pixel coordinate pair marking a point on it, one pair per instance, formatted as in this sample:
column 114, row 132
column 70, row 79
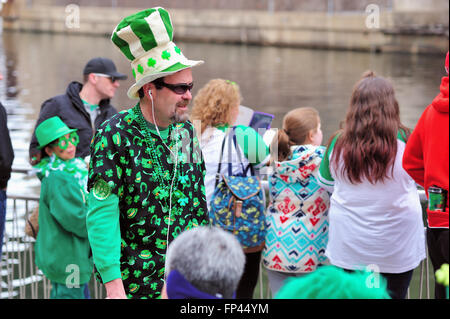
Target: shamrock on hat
column 146, row 39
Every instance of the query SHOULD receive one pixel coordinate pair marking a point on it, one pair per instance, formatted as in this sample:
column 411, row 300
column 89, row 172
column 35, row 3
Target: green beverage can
column 436, row 199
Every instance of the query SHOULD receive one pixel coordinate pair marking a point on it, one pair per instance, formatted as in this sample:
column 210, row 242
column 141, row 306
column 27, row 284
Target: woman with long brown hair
column 375, row 213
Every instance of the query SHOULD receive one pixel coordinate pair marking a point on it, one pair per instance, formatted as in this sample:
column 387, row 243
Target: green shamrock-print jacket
column 130, row 177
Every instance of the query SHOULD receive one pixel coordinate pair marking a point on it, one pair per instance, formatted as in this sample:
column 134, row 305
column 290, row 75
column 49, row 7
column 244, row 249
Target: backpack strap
column 238, row 152
column 231, row 134
column 220, row 160
column 252, row 170
column 249, row 166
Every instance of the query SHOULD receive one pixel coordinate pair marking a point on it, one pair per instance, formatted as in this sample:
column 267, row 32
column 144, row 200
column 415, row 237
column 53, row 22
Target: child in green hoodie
column 62, row 247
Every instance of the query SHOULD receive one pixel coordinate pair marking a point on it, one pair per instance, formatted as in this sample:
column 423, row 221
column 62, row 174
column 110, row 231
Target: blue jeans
column 2, row 218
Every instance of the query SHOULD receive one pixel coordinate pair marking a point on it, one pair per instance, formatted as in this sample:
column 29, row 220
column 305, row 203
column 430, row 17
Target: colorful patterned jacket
column 297, row 221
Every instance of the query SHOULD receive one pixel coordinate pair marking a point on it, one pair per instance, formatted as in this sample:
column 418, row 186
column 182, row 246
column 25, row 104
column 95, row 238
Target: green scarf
column 75, row 167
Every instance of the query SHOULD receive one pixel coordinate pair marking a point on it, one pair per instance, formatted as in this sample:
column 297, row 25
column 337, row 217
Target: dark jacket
column 6, row 150
column 70, row 109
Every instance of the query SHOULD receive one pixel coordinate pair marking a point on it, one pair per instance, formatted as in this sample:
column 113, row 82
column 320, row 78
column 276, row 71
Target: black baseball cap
column 104, row 66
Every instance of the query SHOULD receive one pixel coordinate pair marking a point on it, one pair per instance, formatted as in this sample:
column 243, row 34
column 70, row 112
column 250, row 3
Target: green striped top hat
column 50, row 130
column 146, row 39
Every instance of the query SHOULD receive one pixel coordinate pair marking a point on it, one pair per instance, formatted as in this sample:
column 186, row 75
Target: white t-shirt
column 378, row 225
column 250, row 144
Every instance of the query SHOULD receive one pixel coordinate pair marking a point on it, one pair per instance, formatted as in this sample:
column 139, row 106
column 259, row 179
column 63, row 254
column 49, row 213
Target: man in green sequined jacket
column 146, row 175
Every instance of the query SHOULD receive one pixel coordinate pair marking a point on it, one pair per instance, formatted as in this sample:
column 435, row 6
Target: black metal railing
column 19, row 276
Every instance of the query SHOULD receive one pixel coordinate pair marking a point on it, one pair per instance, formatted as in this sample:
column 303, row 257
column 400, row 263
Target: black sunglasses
column 176, row 88
column 110, row 77
column 113, row 79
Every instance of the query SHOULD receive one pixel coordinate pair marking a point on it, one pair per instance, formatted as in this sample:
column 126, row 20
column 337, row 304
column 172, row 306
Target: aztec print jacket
column 297, row 221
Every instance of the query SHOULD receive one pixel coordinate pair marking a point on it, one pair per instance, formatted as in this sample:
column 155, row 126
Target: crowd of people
column 130, row 196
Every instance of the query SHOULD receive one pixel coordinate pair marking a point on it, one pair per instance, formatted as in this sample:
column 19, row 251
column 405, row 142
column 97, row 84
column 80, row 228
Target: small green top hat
column 50, row 130
column 145, row 38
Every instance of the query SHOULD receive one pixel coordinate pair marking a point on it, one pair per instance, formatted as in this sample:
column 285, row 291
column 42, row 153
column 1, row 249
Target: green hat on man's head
column 145, row 38
column 50, row 130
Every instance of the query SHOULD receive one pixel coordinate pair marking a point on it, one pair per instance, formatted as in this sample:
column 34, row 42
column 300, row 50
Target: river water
column 37, row 66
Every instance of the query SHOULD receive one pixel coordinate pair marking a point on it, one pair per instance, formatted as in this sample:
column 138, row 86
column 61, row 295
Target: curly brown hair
column 214, row 103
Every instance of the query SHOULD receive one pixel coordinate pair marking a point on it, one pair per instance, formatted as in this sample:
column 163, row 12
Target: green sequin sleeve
column 325, row 177
column 104, row 184
column 102, row 222
column 105, row 154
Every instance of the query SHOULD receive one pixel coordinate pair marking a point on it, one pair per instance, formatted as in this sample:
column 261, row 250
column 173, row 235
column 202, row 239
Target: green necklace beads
column 163, row 176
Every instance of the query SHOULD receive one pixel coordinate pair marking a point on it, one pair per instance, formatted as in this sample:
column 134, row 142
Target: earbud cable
column 171, row 184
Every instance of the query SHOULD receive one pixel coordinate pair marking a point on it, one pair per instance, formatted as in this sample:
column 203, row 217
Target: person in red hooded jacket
column 426, row 161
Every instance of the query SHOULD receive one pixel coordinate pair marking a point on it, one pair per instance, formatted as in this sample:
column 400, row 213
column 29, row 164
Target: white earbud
column 150, row 93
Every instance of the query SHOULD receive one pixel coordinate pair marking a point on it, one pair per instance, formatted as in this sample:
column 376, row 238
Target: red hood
column 440, row 102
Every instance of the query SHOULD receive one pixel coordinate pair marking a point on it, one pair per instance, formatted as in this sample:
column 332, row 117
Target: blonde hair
column 214, row 103
column 296, row 127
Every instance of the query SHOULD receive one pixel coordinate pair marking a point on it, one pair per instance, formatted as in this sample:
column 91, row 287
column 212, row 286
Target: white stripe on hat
column 133, row 41
column 158, row 28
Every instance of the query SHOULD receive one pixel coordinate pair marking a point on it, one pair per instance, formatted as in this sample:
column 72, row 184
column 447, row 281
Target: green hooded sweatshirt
column 62, row 247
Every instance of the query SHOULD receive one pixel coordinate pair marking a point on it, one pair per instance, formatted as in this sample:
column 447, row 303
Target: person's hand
column 164, row 292
column 87, row 159
column 115, row 290
column 36, row 158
